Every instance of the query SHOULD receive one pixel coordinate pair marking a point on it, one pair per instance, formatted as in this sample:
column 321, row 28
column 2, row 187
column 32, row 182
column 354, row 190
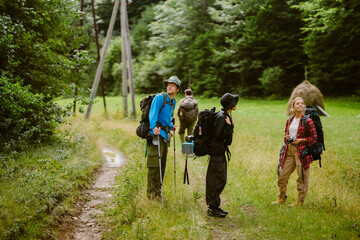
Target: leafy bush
column 40, row 54
column 24, row 116
column 271, row 80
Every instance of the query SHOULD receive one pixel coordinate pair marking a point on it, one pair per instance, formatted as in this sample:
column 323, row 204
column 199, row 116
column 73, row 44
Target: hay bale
column 311, row 95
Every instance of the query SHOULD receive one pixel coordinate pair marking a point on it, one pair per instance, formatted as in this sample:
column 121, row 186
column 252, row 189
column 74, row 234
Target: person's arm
column 179, row 110
column 286, row 135
column 223, row 130
column 154, row 113
column 228, row 131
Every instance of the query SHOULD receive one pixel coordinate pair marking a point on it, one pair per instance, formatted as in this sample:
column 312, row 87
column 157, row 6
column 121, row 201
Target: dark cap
column 229, row 101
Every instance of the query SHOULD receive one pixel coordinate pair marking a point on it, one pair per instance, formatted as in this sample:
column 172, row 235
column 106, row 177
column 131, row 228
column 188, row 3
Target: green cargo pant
column 153, row 178
column 183, row 126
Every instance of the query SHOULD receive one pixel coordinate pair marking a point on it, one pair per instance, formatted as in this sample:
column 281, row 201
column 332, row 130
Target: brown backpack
column 189, row 109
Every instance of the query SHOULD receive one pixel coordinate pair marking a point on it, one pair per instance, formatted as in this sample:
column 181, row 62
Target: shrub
column 24, row 116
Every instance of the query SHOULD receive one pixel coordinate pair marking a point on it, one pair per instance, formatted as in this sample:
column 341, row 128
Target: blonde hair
column 293, row 102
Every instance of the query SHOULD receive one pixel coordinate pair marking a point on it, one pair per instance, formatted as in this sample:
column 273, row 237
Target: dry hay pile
column 311, row 95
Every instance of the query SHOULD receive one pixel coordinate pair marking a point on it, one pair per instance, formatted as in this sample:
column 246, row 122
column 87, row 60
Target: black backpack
column 145, row 104
column 203, row 132
column 316, row 149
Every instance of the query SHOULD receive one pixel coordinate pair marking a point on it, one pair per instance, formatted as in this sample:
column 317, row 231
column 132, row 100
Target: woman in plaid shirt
column 290, row 159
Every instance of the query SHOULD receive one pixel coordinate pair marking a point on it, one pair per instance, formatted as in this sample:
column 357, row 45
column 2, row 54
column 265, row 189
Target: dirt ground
column 83, row 223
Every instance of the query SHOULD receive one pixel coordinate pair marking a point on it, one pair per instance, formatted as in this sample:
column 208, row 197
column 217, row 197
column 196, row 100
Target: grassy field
column 331, row 209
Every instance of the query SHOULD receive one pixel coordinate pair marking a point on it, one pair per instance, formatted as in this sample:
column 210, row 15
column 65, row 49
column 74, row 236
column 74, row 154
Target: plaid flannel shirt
column 311, row 140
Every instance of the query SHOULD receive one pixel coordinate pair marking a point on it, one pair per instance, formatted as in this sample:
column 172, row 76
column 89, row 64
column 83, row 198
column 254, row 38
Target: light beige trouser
column 291, row 163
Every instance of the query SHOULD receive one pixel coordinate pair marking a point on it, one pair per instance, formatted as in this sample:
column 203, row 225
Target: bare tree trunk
column 81, row 9
column 124, row 60
column 81, row 23
column 75, row 98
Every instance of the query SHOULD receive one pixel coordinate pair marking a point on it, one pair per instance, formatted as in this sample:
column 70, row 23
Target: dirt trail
column 85, row 225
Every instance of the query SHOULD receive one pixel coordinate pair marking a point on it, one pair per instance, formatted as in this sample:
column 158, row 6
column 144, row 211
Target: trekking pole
column 162, row 196
column 173, row 121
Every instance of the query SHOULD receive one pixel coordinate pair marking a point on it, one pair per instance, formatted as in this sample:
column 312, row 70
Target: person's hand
column 156, row 131
column 227, row 120
column 174, row 128
column 287, row 137
column 300, row 140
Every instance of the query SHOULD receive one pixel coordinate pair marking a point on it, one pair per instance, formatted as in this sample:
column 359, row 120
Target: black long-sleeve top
column 223, row 134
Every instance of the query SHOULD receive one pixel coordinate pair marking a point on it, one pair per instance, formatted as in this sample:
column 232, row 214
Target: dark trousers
column 215, row 180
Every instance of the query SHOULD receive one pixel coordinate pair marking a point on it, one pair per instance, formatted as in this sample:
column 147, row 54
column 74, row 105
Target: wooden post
column 102, row 59
column 98, row 54
column 124, row 59
column 128, row 54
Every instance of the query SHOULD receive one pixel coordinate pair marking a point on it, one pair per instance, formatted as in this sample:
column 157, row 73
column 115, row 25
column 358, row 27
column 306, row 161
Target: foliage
column 176, row 26
column 331, row 43
column 135, row 8
column 270, row 79
column 256, row 48
column 24, row 116
column 38, row 57
column 229, row 52
column 112, row 72
column 241, row 43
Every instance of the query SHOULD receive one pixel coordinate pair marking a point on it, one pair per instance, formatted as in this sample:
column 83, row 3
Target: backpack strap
column 304, row 123
column 165, row 102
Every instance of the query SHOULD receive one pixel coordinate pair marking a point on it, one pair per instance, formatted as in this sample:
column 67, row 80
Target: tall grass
column 40, row 184
column 331, row 209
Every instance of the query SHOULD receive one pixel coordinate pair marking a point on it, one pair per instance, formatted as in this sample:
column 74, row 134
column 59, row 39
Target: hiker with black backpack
column 296, row 140
column 216, row 175
column 187, row 113
column 160, row 116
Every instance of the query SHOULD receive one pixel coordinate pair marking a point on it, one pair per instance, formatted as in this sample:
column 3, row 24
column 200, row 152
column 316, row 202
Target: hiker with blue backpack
column 216, row 175
column 160, row 116
column 297, row 140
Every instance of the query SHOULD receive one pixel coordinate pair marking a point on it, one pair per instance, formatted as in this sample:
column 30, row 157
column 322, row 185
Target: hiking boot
column 215, row 212
column 297, row 203
column 222, row 210
column 281, row 200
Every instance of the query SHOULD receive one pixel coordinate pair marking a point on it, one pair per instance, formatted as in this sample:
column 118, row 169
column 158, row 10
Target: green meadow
column 331, row 209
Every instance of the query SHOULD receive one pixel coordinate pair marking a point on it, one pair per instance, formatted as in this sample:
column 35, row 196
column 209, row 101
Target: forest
column 260, row 49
